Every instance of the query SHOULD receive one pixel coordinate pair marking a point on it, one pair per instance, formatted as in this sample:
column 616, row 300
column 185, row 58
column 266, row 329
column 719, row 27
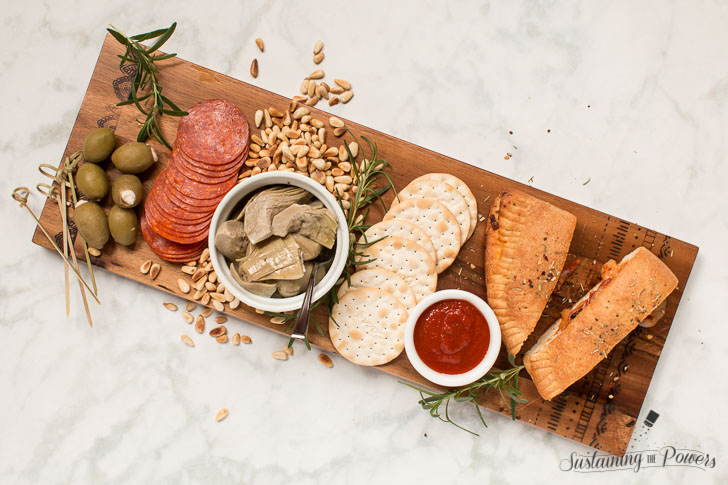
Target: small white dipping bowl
column 453, row 380
column 232, row 200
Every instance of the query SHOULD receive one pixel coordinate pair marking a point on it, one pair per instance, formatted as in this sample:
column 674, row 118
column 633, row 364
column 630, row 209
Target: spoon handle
column 302, row 323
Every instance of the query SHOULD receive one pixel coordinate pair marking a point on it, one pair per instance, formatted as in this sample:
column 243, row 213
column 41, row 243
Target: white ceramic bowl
column 453, row 380
column 223, row 213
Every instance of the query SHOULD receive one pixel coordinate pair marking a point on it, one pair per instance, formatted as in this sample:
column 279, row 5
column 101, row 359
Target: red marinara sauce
column 451, row 336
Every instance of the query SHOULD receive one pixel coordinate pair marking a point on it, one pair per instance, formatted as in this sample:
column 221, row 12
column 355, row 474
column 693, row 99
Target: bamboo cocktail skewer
column 20, row 194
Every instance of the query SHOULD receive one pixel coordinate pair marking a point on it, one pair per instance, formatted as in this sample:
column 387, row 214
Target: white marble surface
column 636, row 97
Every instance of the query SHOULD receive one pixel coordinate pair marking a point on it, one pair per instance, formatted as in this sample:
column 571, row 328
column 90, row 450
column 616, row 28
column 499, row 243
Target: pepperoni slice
column 163, row 205
column 211, row 147
column 175, row 231
column 196, row 174
column 192, row 204
column 215, row 132
column 198, row 190
column 162, row 199
column 212, row 171
column 166, row 249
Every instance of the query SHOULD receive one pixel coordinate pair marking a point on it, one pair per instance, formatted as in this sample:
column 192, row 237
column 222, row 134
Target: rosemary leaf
column 505, row 382
column 145, row 87
column 366, row 180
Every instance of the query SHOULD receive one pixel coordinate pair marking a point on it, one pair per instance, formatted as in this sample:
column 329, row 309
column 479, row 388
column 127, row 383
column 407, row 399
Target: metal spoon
column 301, row 329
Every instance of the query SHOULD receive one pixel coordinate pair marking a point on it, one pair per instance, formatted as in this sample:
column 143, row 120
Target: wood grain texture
column 599, row 410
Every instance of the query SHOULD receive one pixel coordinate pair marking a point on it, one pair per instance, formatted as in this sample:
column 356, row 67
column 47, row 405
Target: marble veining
column 629, row 96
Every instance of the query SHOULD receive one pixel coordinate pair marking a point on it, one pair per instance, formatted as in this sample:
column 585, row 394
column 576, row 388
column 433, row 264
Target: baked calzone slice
column 527, row 241
column 587, row 332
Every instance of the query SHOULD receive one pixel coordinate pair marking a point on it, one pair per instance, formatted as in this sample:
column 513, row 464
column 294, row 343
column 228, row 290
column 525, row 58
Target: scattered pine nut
column 245, row 339
column 325, row 360
column 154, row 271
column 170, row 306
column 318, row 46
column 188, row 317
column 304, row 86
column 254, row 68
column 197, row 275
column 183, row 286
column 221, row 414
column 200, row 324
column 94, row 252
column 146, row 266
column 343, row 83
column 188, row 340
column 280, row 355
column 259, row 43
column 236, row 339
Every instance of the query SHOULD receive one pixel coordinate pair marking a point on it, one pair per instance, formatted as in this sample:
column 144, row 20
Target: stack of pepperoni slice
column 211, row 146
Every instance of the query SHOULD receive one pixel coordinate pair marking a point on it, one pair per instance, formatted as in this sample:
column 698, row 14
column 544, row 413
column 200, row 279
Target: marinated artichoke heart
column 273, row 259
column 260, row 288
column 230, row 239
column 288, row 288
column 311, row 249
column 274, row 238
column 263, row 206
column 315, row 223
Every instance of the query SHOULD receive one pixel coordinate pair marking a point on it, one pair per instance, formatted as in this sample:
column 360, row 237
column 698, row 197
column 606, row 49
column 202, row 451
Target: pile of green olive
column 126, row 190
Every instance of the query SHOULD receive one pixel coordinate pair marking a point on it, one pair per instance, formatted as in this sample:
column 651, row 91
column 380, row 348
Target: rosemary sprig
column 503, row 381
column 145, row 91
column 365, row 177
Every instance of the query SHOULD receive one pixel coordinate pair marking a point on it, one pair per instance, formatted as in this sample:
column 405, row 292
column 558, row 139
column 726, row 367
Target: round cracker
column 437, row 221
column 367, row 326
column 382, row 279
column 406, row 258
column 464, row 190
column 400, row 228
column 441, row 192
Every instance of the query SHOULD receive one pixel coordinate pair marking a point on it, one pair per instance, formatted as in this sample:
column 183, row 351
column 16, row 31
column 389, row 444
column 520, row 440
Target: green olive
column 92, row 224
column 133, row 157
column 123, row 225
column 127, row 191
column 92, row 181
column 98, row 145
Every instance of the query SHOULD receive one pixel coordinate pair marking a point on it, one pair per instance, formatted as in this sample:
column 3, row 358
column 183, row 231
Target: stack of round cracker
column 400, row 258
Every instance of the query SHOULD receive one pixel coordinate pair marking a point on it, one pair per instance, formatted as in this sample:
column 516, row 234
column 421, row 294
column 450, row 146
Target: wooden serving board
column 599, row 411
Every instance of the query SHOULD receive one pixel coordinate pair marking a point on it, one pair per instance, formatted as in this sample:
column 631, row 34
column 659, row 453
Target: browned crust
column 527, row 241
column 627, row 295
